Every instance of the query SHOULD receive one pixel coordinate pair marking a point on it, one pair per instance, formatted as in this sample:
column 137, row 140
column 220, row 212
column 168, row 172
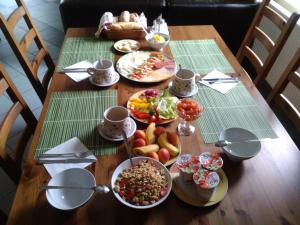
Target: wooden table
column 262, row 190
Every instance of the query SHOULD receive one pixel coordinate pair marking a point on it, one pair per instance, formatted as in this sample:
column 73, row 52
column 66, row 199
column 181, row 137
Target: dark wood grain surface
column 262, row 191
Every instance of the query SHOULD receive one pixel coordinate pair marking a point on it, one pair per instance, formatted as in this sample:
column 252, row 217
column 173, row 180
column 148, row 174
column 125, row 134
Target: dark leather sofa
column 230, row 17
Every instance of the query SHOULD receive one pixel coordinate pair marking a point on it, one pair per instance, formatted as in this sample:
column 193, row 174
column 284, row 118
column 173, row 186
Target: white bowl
column 125, row 165
column 67, row 199
column 157, row 45
column 243, row 150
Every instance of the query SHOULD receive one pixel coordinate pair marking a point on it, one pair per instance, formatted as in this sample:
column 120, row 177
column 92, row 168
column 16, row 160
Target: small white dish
column 68, row 199
column 242, row 150
column 131, row 132
column 127, row 45
column 117, row 77
column 125, row 165
column 194, row 91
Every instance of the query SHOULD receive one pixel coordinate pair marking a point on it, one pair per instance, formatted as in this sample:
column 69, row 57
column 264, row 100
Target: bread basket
column 124, row 34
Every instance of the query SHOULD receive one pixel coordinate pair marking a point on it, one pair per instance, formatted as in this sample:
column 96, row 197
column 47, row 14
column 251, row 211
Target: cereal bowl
column 146, row 164
column 157, row 40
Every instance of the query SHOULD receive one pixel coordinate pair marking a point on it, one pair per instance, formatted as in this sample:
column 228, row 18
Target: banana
column 163, row 143
column 150, row 136
column 145, row 149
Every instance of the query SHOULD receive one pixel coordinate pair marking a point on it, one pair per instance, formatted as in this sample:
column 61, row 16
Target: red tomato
column 139, row 134
column 139, row 142
column 152, row 119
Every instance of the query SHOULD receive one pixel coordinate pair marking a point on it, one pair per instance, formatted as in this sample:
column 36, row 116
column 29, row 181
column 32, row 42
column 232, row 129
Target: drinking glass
column 188, row 110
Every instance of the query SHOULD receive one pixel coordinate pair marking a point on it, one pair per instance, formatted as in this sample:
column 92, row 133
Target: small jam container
column 187, row 165
column 206, row 183
column 210, row 161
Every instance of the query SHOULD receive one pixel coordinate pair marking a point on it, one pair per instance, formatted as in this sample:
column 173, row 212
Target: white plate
column 127, row 42
column 67, row 199
column 126, row 164
column 242, row 150
column 131, row 132
column 127, row 64
column 194, row 91
column 117, row 77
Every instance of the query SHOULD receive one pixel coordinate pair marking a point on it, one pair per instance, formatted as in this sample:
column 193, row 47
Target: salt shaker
column 160, row 26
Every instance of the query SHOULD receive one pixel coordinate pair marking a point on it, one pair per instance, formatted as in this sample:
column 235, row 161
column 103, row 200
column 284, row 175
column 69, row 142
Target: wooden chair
column 255, row 33
column 20, row 48
column 276, row 97
column 11, row 164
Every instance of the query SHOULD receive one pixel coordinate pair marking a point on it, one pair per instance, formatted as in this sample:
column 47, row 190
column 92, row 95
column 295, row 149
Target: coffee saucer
column 129, row 134
column 193, row 92
column 117, row 77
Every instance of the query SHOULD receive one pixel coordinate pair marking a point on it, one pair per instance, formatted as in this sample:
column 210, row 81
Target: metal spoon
column 73, row 154
column 99, row 189
column 223, row 143
column 127, row 146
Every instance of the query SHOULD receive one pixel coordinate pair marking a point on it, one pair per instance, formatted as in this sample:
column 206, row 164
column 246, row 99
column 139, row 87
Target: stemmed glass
column 188, row 110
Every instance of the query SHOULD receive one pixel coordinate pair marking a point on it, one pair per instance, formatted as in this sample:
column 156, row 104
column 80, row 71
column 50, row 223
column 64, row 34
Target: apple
column 172, row 138
column 153, row 155
column 163, row 155
column 159, row 130
column 139, row 142
column 139, row 134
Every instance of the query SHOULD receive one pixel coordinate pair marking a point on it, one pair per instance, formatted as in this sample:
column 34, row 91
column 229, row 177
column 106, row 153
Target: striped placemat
column 77, row 114
column 234, row 109
column 200, row 56
column 76, row 49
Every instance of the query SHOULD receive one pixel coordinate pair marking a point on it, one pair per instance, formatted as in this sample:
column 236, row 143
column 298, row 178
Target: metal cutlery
column 223, row 143
column 74, row 70
column 100, row 188
column 220, row 80
column 78, row 160
column 127, row 146
column 72, row 154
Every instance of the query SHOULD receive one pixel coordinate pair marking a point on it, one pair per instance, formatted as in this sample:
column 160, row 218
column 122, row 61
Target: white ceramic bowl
column 67, row 199
column 125, row 165
column 243, row 150
column 157, row 45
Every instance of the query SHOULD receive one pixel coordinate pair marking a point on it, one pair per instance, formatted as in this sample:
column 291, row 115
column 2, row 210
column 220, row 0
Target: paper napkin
column 221, row 87
column 79, row 76
column 70, row 146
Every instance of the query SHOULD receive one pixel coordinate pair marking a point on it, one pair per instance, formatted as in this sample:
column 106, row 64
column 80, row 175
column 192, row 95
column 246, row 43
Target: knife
column 49, row 161
column 74, row 70
column 220, row 79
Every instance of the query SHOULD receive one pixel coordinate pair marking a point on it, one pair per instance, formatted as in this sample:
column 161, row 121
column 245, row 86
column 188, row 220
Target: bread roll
column 134, row 17
column 125, row 26
column 124, row 17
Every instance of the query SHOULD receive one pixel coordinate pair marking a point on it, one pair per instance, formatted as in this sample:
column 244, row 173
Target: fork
column 72, row 154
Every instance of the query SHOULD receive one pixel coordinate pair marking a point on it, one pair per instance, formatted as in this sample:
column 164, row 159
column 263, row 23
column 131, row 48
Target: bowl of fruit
column 157, row 143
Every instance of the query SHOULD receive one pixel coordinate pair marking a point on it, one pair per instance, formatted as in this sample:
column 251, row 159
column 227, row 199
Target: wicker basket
column 124, row 34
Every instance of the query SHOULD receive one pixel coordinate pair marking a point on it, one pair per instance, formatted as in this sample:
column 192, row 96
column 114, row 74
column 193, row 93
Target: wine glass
column 188, row 110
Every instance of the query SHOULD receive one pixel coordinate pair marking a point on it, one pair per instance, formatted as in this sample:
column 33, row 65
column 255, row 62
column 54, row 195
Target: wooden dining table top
column 262, row 190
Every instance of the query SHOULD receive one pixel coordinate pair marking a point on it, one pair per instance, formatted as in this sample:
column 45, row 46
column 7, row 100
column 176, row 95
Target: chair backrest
column 20, row 48
column 255, row 33
column 290, row 75
column 11, row 164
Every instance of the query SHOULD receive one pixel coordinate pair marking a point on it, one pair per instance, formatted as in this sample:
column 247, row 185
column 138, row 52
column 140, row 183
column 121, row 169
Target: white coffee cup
column 184, row 82
column 116, row 119
column 102, row 71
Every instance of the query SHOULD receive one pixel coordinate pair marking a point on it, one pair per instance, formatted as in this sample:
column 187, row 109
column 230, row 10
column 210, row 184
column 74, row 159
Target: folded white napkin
column 79, row 76
column 72, row 145
column 221, row 87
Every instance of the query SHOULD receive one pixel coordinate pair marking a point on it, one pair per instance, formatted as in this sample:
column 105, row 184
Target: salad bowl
column 153, row 105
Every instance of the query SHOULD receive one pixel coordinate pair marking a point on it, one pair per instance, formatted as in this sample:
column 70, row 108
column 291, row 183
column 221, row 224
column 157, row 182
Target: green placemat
column 84, row 48
column 201, row 56
column 234, row 109
column 77, row 114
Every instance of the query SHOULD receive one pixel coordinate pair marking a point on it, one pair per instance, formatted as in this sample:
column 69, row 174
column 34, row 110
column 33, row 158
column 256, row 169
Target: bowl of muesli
column 145, row 184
